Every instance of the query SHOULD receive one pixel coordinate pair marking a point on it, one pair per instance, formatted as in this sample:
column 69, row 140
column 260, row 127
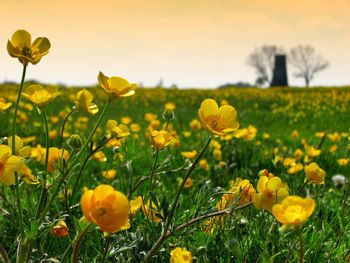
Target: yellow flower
column 312, row 151
column 20, row 150
column 180, row 255
column 60, row 229
column 4, row 105
column 9, row 164
column 161, row 139
column 217, row 120
column 119, row 131
column 333, row 148
column 188, row 184
column 126, row 120
column 241, row 193
column 189, row 155
column 84, row 102
column 314, row 173
column 116, row 86
column 288, row 161
column 195, row 125
column 41, row 96
column 149, row 210
column 100, row 156
column 246, row 134
column 295, row 168
column 334, row 137
column 270, row 191
column 295, row 134
column 294, row 210
column 169, row 106
column 217, row 154
column 203, row 164
column 150, row 116
column 107, row 208
column 343, row 161
column 20, row 46
column 134, row 127
column 135, row 205
column 109, row 174
column 54, row 157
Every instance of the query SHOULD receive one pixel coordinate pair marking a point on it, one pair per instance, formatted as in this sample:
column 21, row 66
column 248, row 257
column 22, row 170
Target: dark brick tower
column 279, row 77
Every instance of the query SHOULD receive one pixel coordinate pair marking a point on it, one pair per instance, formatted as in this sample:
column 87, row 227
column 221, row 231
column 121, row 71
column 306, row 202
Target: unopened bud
column 75, row 141
column 168, row 114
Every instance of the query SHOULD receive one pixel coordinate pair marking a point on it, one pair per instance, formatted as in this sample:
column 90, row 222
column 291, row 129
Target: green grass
column 248, row 235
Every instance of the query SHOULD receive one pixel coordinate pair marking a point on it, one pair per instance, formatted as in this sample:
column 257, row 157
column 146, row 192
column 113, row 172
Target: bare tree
column 262, row 60
column 306, row 62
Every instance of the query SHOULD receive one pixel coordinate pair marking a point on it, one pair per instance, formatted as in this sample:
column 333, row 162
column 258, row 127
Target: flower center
column 102, row 211
column 216, row 122
column 2, row 167
column 26, row 51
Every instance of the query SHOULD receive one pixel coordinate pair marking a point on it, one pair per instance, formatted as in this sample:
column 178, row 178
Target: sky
column 190, row 43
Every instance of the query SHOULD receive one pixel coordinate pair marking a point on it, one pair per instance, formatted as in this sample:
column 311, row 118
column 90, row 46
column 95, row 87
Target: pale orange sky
column 193, row 43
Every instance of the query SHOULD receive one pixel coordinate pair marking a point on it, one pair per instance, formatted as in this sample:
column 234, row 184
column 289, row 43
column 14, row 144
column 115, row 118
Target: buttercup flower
column 41, row 96
column 314, row 173
column 109, row 174
column 9, row 164
column 135, row 205
column 107, row 208
column 189, row 155
column 294, row 210
column 180, row 255
column 54, row 157
column 343, row 161
column 20, row 46
column 119, row 131
column 161, row 139
column 84, row 102
column 217, row 120
column 270, row 191
column 149, row 210
column 20, row 150
column 60, row 229
column 4, row 105
column 116, row 86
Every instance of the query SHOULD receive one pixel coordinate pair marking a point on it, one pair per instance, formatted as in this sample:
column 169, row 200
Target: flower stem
column 166, row 234
column 94, row 129
column 78, row 242
column 63, row 126
column 153, row 170
column 21, row 250
column 301, row 257
column 108, row 241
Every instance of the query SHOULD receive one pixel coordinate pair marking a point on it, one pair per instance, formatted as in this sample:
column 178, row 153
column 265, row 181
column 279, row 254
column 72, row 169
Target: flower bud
column 75, row 141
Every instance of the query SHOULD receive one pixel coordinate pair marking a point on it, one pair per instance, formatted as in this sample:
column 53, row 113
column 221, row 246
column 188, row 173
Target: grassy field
column 278, row 127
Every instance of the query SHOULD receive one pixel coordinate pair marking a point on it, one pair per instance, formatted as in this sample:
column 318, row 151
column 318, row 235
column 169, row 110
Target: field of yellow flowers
column 116, row 173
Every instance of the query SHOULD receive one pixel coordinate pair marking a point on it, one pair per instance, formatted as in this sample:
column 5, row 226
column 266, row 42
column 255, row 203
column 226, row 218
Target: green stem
column 63, row 126
column 167, row 233
column 14, row 124
column 108, row 241
column 301, row 188
column 189, row 171
column 47, row 148
column 153, row 170
column 301, row 257
column 94, row 129
column 78, row 242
